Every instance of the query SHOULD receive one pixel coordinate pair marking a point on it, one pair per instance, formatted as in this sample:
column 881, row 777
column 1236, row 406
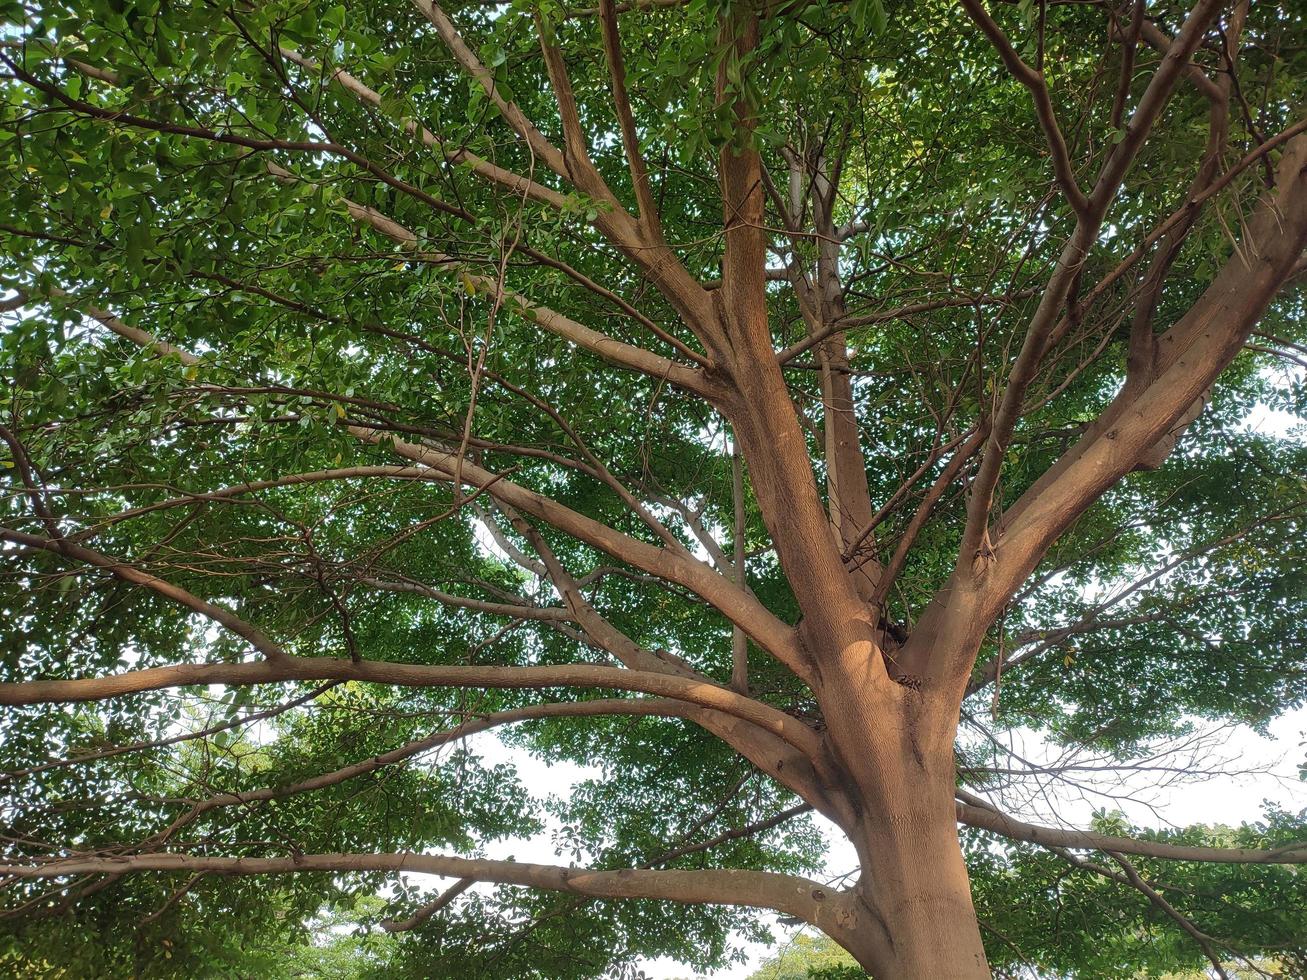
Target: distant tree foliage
column 806, row 958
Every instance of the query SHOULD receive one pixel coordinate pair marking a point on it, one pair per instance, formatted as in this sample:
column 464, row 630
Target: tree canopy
column 769, row 406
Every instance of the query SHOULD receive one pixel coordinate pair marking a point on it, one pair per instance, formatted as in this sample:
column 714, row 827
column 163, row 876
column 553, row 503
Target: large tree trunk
column 915, row 917
column 920, row 922
column 891, row 742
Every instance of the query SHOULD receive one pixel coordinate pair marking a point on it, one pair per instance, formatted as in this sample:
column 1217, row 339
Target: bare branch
column 1033, row 80
column 129, row 573
column 425, row 913
column 800, row 897
column 625, row 118
column 1001, row 823
column 416, row 675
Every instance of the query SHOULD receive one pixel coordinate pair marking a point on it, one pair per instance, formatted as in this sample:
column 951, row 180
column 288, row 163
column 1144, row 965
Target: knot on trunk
column 911, row 681
column 984, row 557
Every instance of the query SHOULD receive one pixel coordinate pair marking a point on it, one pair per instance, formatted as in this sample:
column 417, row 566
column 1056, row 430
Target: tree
column 805, row 958
column 736, row 398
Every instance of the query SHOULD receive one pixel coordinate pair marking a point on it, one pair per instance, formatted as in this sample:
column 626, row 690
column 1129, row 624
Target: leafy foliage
column 200, row 182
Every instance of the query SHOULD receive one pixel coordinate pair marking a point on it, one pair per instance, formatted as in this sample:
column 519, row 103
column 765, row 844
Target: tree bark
column 895, row 741
column 917, row 920
column 920, row 921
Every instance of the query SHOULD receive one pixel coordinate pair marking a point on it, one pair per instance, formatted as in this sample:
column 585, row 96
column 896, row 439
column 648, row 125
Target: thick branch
column 1033, row 80
column 977, row 550
column 1190, row 357
column 1203, row 940
column 836, row 620
column 625, row 119
column 415, row 675
column 514, row 182
column 795, row 896
column 425, row 913
column 615, row 351
column 1006, row 826
column 129, row 573
column 648, row 252
column 603, row 633
column 541, row 147
column 734, row 602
